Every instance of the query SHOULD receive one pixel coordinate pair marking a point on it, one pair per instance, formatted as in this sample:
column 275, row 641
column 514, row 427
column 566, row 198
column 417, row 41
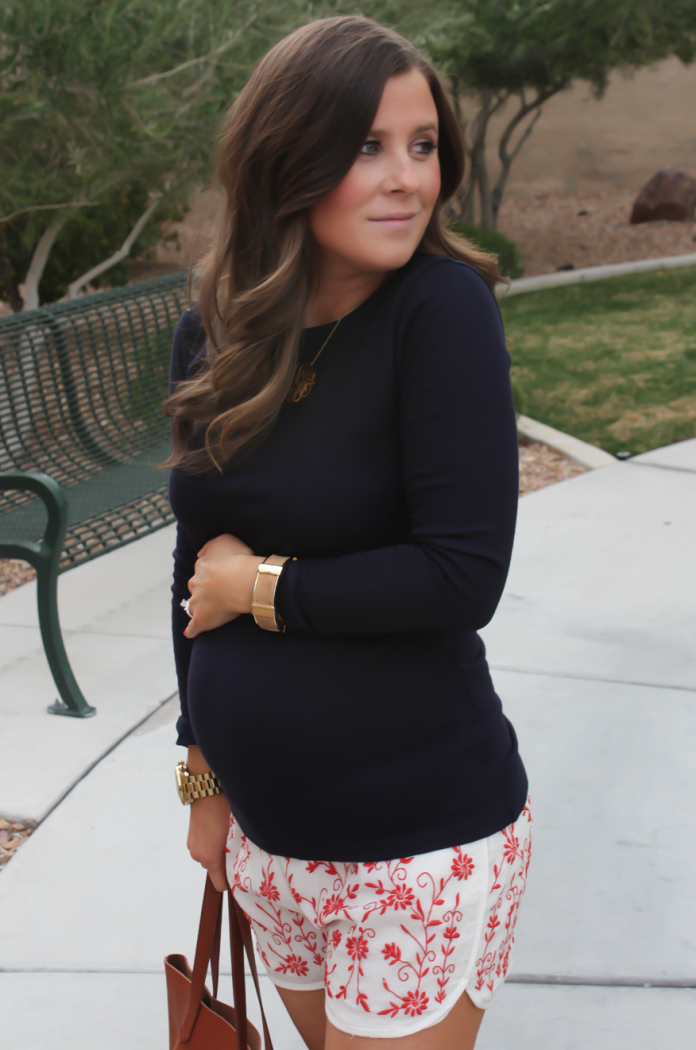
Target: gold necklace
column 305, row 376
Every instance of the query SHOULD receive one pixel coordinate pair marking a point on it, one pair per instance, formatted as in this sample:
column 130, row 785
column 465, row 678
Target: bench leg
column 45, row 557
column 71, row 701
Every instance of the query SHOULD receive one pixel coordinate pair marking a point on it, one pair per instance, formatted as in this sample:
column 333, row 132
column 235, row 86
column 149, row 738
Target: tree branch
column 491, row 102
column 506, row 156
column 47, row 207
column 154, row 78
column 522, row 112
column 118, row 256
column 38, row 263
column 525, row 135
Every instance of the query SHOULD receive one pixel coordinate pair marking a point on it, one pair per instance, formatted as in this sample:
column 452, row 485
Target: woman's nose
column 403, row 175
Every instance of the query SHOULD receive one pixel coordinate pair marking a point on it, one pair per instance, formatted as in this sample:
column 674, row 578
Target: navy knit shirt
column 370, row 730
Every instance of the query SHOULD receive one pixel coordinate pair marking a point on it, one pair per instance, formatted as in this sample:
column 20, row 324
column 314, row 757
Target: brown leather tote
column 197, row 1019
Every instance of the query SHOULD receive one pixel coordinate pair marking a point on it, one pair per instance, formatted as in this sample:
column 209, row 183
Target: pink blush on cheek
column 349, row 194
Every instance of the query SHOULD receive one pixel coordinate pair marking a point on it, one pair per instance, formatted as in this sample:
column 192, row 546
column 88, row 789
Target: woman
column 342, row 405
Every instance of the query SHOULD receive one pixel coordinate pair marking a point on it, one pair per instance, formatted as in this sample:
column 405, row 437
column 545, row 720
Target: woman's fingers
column 222, row 585
column 207, row 619
column 218, row 877
column 214, row 865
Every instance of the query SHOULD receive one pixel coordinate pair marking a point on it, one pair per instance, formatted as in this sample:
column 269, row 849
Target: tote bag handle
column 208, row 951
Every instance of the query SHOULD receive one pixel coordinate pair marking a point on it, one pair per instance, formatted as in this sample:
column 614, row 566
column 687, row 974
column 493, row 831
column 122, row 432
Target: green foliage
column 101, row 99
column 513, row 45
column 513, row 55
column 612, row 362
column 107, row 104
column 89, row 236
column 509, row 256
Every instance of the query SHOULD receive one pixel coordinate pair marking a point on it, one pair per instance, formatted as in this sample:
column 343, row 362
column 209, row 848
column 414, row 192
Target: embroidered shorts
column 394, row 943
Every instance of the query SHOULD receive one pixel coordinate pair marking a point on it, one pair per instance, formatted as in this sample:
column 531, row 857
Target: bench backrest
column 81, row 391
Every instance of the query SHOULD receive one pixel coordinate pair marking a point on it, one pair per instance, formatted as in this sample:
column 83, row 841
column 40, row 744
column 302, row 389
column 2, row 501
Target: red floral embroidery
column 413, row 1003
column 357, row 948
column 319, row 919
column 293, row 964
column 462, row 865
column 267, row 889
column 499, row 932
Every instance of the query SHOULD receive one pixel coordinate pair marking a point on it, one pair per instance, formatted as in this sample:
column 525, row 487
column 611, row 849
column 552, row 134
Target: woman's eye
column 371, row 148
column 425, row 147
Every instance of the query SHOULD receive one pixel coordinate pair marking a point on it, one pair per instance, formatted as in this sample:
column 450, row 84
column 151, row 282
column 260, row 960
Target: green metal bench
column 82, row 434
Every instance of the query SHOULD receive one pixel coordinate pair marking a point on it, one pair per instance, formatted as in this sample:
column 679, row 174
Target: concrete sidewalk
column 593, row 655
column 115, row 616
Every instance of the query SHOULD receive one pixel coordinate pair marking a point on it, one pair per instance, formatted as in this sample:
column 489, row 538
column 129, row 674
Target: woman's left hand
column 223, row 584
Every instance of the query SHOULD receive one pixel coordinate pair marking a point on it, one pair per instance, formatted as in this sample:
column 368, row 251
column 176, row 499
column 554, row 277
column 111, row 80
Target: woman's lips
column 396, row 219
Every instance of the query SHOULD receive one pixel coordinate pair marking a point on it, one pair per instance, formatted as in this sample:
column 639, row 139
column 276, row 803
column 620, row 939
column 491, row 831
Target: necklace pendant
column 302, row 382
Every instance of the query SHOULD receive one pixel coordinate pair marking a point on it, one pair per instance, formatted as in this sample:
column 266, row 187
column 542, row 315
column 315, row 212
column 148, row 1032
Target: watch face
column 180, row 774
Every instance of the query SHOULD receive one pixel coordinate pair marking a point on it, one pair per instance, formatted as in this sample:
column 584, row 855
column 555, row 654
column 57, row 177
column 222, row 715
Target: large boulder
column 671, row 194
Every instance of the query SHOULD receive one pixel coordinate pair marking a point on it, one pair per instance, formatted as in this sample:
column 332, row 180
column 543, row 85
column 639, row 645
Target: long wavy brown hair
column 291, row 136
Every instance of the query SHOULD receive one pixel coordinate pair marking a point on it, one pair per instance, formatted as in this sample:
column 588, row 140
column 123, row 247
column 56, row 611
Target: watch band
column 263, row 600
column 195, row 785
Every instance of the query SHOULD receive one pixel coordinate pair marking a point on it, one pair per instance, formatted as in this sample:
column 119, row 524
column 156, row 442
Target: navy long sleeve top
column 370, row 729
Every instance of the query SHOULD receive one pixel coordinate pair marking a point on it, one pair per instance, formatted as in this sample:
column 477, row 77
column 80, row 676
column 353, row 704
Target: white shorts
column 393, row 943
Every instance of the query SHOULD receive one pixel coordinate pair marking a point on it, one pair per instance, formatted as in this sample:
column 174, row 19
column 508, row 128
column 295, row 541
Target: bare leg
column 457, row 1031
column 306, row 1011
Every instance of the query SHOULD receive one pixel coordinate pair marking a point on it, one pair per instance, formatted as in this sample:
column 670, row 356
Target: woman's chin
column 391, row 256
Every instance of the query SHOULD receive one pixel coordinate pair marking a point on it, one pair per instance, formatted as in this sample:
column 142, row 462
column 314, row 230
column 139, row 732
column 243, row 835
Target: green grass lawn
column 612, row 362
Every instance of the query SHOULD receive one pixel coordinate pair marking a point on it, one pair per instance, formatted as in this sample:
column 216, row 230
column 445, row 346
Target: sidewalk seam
column 592, row 678
column 598, row 981
column 601, row 982
column 100, row 758
column 660, row 466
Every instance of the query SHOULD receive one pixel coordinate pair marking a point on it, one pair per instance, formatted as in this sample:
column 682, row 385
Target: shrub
column 509, row 257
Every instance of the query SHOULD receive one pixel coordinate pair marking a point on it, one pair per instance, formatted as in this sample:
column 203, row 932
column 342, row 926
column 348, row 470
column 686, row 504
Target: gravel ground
column 554, row 230
column 14, row 573
column 541, row 466
column 12, row 834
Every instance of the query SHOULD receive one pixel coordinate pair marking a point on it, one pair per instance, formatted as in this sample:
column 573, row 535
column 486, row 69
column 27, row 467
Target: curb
column 592, row 273
column 586, row 455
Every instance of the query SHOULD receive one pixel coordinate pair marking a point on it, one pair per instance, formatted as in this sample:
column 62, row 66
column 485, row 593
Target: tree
column 88, row 237
column 525, row 51
column 108, row 116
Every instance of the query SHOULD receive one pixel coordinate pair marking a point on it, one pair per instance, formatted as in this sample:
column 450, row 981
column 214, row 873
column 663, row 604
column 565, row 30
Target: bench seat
column 83, row 437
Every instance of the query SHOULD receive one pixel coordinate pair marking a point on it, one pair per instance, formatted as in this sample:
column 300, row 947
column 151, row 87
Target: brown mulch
column 13, row 573
column 12, row 834
column 541, row 466
column 589, row 228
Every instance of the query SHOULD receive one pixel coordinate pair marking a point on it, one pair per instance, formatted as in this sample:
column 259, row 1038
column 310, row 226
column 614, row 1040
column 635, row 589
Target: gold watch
column 195, row 785
column 263, row 600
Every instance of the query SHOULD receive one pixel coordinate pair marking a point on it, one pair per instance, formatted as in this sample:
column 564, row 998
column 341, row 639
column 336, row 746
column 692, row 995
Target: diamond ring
column 184, row 603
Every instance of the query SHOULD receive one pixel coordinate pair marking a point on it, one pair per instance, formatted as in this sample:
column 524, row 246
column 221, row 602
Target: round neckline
column 351, row 313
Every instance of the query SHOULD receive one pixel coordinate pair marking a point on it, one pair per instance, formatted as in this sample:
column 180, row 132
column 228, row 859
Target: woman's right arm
column 187, row 344
column 209, row 818
column 184, row 560
column 209, row 824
